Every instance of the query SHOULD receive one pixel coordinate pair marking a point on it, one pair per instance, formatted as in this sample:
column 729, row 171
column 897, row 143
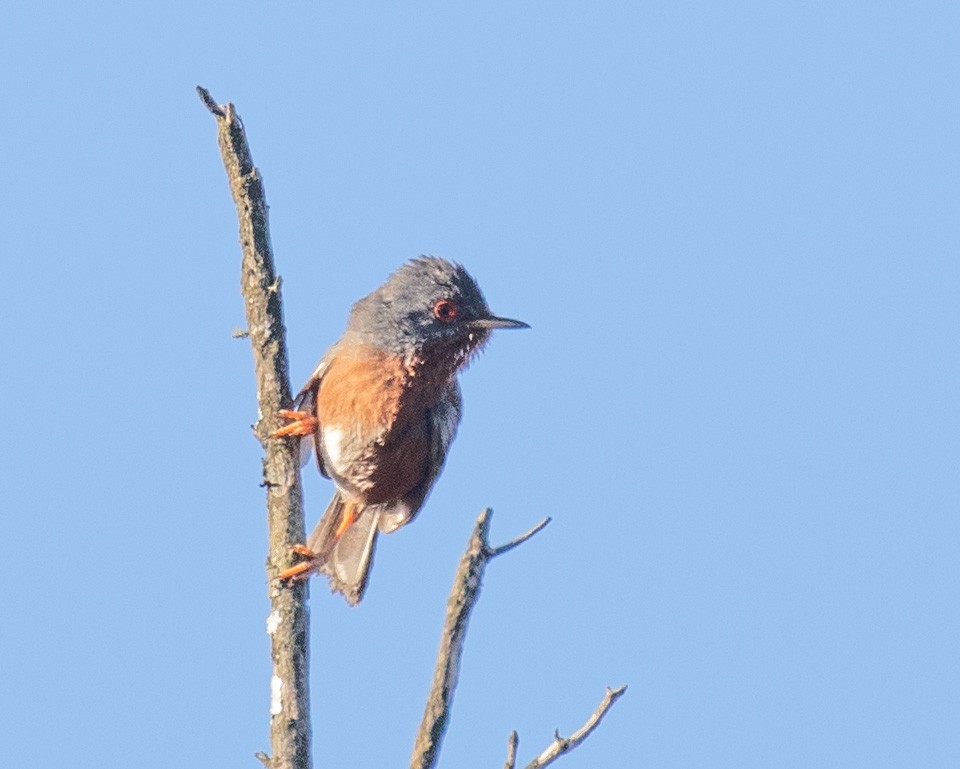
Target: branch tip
column 209, row 102
column 512, row 742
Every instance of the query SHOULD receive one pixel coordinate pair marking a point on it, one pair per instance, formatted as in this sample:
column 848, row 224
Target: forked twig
column 463, row 597
column 561, row 745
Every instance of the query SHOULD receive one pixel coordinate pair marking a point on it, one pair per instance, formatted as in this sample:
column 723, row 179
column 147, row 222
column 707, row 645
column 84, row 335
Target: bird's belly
column 384, row 469
column 374, row 412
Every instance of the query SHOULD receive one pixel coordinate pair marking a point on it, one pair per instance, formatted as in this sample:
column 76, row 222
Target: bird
column 381, row 409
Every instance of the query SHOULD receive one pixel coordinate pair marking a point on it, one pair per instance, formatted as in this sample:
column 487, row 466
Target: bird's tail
column 343, row 543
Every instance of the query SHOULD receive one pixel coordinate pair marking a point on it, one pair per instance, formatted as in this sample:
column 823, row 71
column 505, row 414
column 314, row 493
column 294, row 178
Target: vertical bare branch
column 288, row 622
column 463, row 597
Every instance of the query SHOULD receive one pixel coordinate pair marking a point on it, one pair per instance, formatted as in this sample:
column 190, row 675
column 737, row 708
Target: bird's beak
column 494, row 322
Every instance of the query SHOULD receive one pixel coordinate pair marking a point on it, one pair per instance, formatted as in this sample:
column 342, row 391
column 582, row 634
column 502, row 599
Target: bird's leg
column 349, row 516
column 303, row 424
column 302, row 570
column 297, row 573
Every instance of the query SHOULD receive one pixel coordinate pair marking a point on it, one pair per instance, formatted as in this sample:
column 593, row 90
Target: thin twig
column 561, row 745
column 208, row 101
column 518, row 541
column 463, row 597
column 288, row 622
column 512, row 743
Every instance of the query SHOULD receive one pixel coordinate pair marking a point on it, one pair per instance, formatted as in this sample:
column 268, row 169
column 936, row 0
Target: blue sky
column 733, row 229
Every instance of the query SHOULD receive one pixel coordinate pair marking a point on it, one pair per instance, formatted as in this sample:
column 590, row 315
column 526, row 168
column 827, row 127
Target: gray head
column 431, row 305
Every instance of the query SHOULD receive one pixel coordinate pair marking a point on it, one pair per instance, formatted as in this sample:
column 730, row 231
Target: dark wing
column 306, row 401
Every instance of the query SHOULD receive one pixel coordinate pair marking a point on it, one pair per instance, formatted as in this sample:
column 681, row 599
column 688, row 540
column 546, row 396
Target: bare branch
column 463, row 597
column 518, row 541
column 512, row 743
column 288, row 622
column 208, row 101
column 561, row 745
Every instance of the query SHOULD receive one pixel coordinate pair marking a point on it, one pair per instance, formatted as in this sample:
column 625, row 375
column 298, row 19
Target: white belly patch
column 333, row 448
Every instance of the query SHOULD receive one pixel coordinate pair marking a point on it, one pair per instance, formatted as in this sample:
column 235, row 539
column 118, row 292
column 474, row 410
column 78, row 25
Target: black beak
column 494, row 322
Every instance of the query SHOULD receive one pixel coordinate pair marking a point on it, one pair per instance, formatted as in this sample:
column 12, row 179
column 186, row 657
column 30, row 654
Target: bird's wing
column 306, row 401
column 444, row 420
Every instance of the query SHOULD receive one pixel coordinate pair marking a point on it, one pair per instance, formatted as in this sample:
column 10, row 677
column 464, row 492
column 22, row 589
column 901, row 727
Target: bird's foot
column 300, row 571
column 302, row 424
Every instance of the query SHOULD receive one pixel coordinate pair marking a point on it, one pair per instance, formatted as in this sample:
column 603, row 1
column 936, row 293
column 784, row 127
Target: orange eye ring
column 445, row 310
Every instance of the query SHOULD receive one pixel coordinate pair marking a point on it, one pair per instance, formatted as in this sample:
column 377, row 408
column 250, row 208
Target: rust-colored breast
column 362, row 389
column 373, row 409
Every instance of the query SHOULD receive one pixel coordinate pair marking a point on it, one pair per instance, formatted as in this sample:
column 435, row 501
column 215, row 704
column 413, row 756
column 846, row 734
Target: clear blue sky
column 733, row 228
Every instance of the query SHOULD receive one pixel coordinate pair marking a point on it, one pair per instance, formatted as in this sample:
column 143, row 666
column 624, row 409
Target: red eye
column 445, row 311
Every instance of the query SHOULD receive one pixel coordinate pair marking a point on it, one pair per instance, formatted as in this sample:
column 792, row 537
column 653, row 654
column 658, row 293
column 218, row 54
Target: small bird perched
column 382, row 409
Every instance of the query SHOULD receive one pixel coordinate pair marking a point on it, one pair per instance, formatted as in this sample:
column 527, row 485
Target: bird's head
column 429, row 306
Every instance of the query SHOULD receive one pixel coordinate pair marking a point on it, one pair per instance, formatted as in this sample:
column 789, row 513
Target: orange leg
column 349, row 516
column 303, row 424
column 297, row 573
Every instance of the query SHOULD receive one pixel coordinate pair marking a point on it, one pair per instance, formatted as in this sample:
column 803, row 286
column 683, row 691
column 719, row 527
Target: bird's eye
column 445, row 311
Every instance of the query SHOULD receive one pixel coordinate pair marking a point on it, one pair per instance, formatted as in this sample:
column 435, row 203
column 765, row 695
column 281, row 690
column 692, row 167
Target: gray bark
column 288, row 623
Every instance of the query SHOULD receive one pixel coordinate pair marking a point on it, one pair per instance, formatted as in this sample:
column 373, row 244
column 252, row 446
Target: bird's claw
column 302, row 424
column 299, row 571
